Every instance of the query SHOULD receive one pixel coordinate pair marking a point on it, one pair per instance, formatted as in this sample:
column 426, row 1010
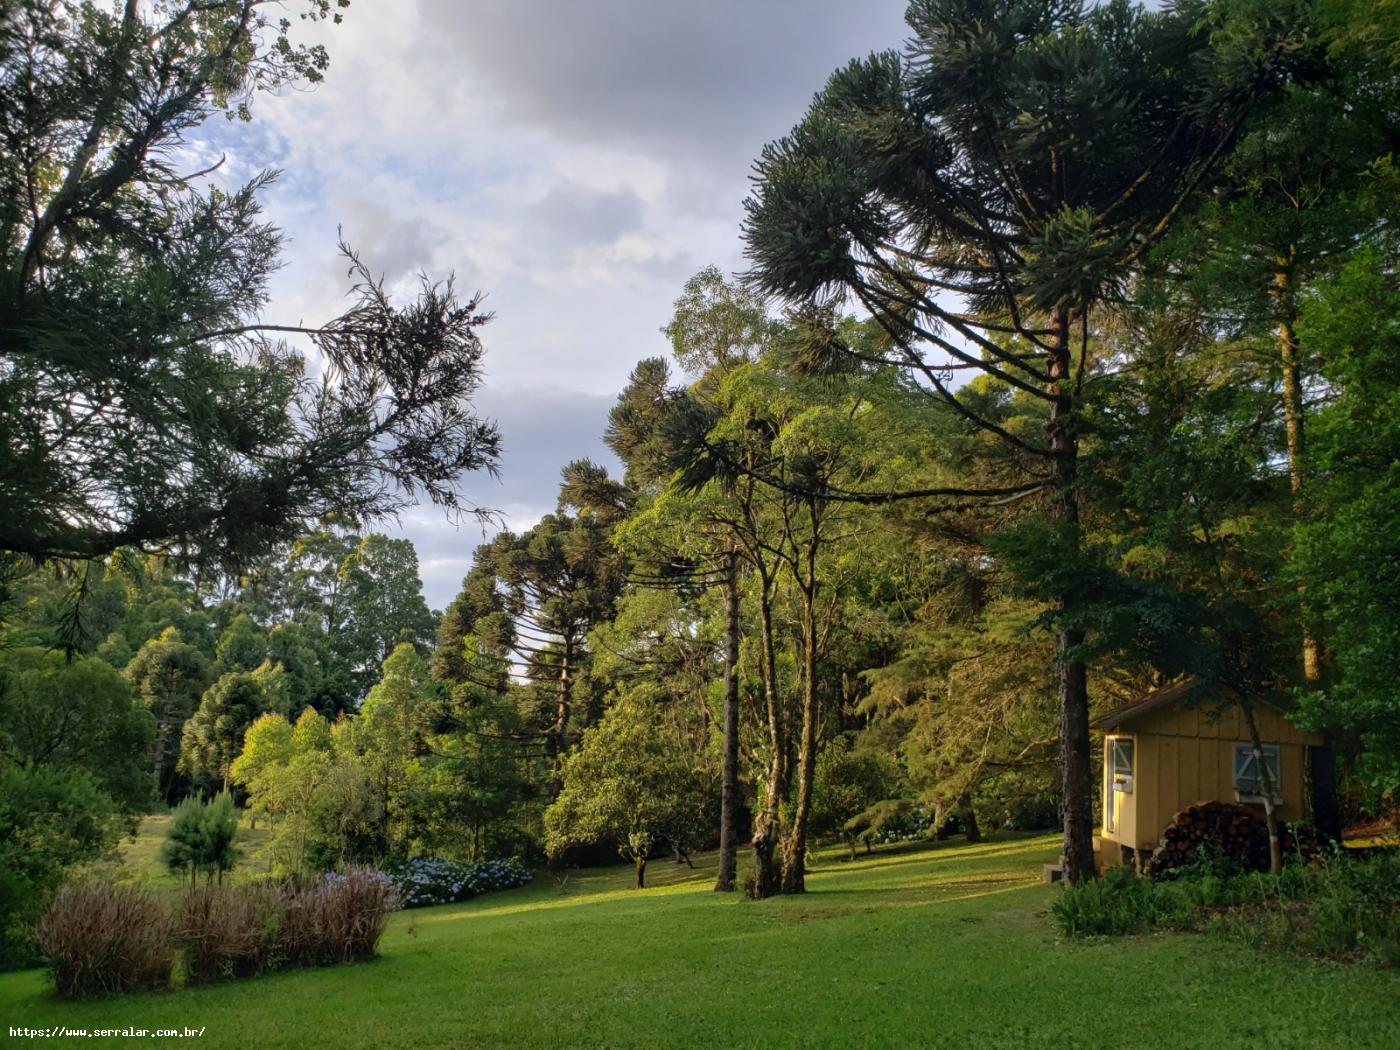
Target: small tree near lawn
column 628, row 783
column 847, row 784
column 200, row 839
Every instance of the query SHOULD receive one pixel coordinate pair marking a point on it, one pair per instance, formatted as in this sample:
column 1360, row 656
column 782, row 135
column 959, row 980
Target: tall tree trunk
column 1291, row 369
column 641, row 871
column 1077, row 790
column 729, row 780
column 1267, row 780
column 565, row 698
column 968, row 816
column 765, row 834
column 795, row 848
column 158, row 761
column 1322, row 761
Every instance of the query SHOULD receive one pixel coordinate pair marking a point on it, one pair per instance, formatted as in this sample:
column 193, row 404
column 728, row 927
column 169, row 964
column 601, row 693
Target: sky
column 576, row 162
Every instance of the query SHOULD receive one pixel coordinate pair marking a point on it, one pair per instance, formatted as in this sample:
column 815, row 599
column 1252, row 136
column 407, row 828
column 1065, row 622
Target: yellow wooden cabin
column 1163, row 753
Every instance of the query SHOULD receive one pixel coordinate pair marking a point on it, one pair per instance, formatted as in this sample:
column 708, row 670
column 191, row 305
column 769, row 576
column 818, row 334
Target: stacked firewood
column 1223, row 830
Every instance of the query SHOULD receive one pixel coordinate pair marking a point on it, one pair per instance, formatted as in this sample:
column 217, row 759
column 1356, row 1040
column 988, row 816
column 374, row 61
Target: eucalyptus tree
column 144, row 400
column 986, row 192
column 717, row 323
column 702, row 520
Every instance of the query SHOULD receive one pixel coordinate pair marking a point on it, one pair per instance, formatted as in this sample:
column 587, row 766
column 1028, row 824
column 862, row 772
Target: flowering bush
column 431, row 880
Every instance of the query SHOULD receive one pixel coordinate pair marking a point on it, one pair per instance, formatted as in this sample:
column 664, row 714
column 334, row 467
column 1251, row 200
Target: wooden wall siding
column 1209, row 722
column 1178, row 771
column 1175, row 770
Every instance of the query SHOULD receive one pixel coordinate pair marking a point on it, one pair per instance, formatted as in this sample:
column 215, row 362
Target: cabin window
column 1249, row 783
column 1120, row 758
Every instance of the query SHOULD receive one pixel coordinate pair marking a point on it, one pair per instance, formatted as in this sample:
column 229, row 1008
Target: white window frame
column 1121, row 780
column 1251, row 789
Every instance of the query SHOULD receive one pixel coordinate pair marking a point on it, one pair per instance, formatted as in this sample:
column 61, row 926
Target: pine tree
column 983, row 193
column 144, row 401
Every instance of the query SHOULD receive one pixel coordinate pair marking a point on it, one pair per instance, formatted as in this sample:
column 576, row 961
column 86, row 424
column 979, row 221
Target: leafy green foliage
column 1348, row 550
column 169, row 677
column 51, row 820
column 1341, row 908
column 716, row 324
column 200, row 840
column 626, row 785
column 1119, row 904
column 241, row 647
column 213, row 736
column 268, row 743
column 78, row 715
column 846, row 785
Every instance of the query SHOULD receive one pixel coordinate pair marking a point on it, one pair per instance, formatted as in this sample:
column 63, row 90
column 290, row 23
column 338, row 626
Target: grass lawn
column 930, row 946
column 138, row 858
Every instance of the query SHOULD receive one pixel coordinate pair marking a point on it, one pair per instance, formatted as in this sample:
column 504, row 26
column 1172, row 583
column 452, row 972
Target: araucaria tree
column 559, row 579
column 987, row 195
column 144, row 402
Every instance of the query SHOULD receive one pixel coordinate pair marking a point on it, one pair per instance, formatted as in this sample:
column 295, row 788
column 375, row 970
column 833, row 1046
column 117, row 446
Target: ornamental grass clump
column 230, row 931
column 431, row 880
column 106, row 940
column 102, row 939
column 336, row 919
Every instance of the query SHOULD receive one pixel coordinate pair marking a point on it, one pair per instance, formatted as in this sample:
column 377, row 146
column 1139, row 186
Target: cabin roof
column 1155, row 701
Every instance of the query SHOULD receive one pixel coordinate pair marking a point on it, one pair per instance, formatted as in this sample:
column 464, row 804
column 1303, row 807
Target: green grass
column 940, row 946
column 138, row 861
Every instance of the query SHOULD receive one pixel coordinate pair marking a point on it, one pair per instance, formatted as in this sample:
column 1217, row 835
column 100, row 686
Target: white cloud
column 574, row 161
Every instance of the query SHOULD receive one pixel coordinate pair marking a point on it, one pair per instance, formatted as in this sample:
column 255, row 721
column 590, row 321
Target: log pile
column 1227, row 831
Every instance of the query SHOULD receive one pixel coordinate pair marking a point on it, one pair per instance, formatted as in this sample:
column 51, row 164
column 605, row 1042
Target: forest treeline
column 1065, row 367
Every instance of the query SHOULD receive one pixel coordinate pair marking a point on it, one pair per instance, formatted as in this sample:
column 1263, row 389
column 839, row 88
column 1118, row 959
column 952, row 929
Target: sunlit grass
column 138, row 857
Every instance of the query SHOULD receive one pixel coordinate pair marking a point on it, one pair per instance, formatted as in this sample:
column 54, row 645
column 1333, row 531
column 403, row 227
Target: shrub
column 103, row 940
column 1119, row 903
column 50, row 821
column 239, row 931
column 200, row 839
column 230, row 931
column 1343, row 906
column 338, row 919
column 354, row 908
column 429, row 880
